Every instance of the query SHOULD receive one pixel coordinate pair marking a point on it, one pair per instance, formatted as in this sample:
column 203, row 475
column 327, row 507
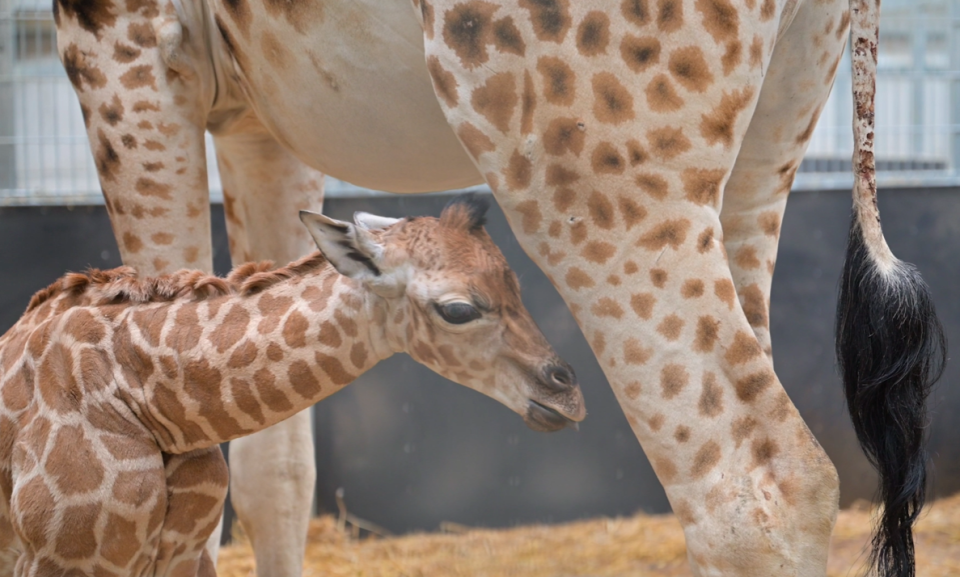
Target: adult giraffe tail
column 890, row 345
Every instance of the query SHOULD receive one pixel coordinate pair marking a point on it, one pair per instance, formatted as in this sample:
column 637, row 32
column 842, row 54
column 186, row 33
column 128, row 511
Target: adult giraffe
column 633, row 146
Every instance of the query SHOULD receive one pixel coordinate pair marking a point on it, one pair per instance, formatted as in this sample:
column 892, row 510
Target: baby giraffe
column 114, row 391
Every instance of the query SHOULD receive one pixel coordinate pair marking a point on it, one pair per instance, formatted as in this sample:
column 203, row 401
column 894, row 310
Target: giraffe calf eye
column 457, row 313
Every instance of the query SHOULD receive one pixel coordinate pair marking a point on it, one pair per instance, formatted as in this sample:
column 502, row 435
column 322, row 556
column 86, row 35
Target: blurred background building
column 412, row 450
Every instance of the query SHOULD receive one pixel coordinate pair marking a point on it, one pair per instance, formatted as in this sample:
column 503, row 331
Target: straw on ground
column 638, row 546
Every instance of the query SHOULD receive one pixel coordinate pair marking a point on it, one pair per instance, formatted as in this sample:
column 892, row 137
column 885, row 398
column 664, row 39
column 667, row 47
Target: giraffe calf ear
column 351, row 250
column 372, row 221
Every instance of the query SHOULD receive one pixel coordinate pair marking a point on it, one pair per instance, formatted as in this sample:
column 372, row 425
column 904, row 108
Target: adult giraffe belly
column 344, row 85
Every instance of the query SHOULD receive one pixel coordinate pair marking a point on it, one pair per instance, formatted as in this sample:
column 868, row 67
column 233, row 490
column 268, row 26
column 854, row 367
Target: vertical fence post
column 918, row 78
column 954, row 39
column 8, row 151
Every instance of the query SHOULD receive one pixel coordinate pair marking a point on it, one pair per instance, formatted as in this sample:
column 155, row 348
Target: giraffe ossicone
column 116, row 391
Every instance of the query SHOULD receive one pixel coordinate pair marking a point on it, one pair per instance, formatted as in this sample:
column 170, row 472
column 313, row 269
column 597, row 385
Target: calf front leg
column 196, row 488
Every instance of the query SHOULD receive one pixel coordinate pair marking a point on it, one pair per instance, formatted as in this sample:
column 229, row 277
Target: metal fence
column 45, row 157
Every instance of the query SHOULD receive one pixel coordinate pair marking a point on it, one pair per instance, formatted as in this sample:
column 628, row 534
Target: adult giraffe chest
column 344, row 86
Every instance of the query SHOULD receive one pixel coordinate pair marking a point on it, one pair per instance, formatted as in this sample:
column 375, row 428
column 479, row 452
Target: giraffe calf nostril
column 559, row 378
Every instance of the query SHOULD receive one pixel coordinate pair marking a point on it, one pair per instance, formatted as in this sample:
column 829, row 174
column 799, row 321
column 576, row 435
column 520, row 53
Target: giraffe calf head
column 450, row 300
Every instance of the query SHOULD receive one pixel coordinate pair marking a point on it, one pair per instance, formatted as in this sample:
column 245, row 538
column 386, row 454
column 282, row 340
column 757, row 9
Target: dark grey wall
column 412, row 450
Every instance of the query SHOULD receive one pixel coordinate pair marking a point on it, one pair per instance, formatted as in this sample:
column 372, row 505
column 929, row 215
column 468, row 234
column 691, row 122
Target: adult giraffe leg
column 793, row 95
column 611, row 171
column 145, row 86
column 273, row 472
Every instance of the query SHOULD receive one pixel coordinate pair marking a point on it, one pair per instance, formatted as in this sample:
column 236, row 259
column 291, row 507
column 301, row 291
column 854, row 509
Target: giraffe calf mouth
column 542, row 418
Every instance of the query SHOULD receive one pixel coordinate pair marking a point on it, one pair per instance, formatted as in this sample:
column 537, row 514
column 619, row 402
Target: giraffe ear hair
column 372, row 221
column 351, row 249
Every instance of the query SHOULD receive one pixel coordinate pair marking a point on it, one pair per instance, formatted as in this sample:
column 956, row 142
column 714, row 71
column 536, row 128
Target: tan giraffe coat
column 642, row 151
column 116, row 391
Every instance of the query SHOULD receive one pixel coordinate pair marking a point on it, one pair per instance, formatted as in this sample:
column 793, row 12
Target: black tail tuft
column 891, row 349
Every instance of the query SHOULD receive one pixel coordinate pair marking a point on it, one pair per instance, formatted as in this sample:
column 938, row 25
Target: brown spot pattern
column 711, row 396
column 607, row 307
column 444, row 83
column 751, row 386
column 668, row 142
column 702, row 186
column 563, row 135
column 79, row 70
column 720, row 19
column 334, row 369
column 658, row 277
column 754, row 305
column 601, row 210
column 612, row 101
column 692, row 288
column 669, row 15
column 732, row 57
column 725, row 291
column 670, row 327
column 642, row 304
column 653, row 184
column 769, row 223
column 764, row 450
column 705, row 460
column 744, row 348
column 634, row 353
column 578, row 279
column 636, row 11
column 304, row 382
column 742, row 428
column 507, row 38
column 661, row 96
column 559, row 85
column 631, row 212
column 550, row 18
column 639, row 52
column 708, row 330
column 474, row 140
column 530, row 216
column 518, row 171
column 598, row 251
column 717, row 126
column 670, row 233
column 673, row 379
column 607, row 160
column 139, row 77
column 593, row 33
column 76, row 537
column 528, row 104
column 496, row 100
column 467, row 30
column 689, row 67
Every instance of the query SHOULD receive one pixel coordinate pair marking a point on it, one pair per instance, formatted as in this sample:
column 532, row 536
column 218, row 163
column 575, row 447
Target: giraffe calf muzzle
column 545, row 419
